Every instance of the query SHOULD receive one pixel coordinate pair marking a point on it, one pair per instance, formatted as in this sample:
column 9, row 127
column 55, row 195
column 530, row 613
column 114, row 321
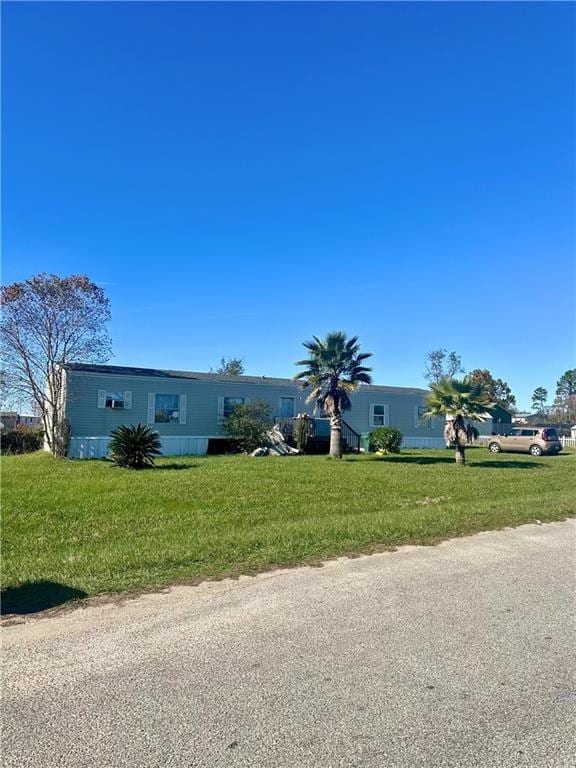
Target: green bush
column 21, row 440
column 386, row 439
column 302, row 430
column 247, row 425
column 134, row 447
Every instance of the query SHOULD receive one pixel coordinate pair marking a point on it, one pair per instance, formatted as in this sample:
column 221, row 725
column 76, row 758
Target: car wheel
column 494, row 448
column 535, row 450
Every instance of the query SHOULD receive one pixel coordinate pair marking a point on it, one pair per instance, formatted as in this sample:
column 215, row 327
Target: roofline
column 155, row 373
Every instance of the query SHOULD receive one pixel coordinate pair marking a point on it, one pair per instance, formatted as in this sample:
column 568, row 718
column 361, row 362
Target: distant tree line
column 563, row 408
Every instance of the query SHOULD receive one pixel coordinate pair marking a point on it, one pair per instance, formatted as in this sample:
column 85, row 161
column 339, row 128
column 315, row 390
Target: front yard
column 73, row 529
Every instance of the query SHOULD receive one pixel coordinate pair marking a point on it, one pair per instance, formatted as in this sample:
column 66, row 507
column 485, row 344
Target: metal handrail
column 350, row 438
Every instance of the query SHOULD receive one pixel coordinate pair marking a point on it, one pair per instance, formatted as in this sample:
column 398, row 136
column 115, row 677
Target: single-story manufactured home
column 187, row 409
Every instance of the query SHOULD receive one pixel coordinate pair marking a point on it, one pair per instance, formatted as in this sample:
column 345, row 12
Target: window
column 529, row 432
column 114, row 400
column 286, row 407
column 378, row 415
column 229, row 403
column 166, row 409
column 420, row 420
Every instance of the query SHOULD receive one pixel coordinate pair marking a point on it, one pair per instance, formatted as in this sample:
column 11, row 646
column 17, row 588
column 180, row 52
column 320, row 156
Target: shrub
column 21, row 440
column 134, row 447
column 302, row 430
column 247, row 425
column 386, row 439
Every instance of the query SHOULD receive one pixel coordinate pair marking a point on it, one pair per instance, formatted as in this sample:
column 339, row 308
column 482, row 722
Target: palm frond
column 458, row 397
column 332, row 370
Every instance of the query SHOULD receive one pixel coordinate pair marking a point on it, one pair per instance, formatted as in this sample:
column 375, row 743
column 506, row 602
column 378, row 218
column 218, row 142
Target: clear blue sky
column 241, row 176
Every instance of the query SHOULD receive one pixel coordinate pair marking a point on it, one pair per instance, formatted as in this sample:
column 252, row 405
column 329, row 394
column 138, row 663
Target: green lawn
column 75, row 528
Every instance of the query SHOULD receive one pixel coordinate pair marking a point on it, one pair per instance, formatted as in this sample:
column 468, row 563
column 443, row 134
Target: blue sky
column 241, row 176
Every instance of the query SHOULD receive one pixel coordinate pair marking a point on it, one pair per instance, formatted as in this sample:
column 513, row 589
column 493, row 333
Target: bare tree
column 48, row 321
column 441, row 364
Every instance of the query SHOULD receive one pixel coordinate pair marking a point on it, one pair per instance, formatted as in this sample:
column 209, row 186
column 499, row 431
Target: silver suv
column 534, row 440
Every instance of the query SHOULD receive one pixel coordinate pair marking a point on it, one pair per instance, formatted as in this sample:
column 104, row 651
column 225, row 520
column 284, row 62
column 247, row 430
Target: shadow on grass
column 518, row 464
column 508, row 464
column 35, row 596
column 416, row 459
column 174, row 466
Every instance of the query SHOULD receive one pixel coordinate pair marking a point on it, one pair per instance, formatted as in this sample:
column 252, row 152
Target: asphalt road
column 456, row 655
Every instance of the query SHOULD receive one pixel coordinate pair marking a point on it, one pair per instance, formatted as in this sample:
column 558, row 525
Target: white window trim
column 386, row 415
column 151, row 407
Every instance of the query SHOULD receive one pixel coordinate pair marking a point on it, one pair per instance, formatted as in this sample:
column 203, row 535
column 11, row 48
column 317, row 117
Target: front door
column 286, row 407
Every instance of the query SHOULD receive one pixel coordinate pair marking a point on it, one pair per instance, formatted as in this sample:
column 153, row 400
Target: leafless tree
column 48, row 321
column 441, row 364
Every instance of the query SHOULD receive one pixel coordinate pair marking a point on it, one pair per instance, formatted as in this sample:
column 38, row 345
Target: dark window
column 114, row 399
column 229, row 403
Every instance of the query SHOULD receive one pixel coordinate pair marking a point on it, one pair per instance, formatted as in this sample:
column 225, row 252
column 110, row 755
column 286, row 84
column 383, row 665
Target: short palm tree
column 456, row 400
column 333, row 370
column 134, row 447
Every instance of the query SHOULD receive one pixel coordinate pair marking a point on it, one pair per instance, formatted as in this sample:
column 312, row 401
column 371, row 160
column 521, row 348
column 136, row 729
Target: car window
column 552, row 433
column 515, row 432
column 529, row 432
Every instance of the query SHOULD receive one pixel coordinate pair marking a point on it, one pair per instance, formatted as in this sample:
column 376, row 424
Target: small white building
column 28, row 420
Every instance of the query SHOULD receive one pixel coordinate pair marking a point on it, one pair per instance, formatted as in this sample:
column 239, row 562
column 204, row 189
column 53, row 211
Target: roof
column 121, row 370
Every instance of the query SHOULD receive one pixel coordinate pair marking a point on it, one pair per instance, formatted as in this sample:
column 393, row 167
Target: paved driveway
column 457, row 655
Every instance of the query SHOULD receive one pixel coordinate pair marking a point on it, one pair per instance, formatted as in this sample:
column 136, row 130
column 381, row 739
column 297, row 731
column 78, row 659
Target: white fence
column 97, row 447
column 568, row 442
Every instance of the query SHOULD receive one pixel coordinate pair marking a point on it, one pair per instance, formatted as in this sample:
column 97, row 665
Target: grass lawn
column 78, row 528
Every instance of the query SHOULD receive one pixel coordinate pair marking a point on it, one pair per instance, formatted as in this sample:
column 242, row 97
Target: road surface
column 458, row 655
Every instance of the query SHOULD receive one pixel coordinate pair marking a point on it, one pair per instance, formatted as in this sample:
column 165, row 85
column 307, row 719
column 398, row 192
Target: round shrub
column 248, row 424
column 386, row 439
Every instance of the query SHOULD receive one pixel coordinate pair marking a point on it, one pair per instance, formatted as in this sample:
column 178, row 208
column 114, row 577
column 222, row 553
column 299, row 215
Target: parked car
column 534, row 440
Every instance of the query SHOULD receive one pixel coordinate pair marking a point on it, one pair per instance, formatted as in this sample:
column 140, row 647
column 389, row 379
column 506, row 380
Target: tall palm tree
column 333, row 370
column 456, row 400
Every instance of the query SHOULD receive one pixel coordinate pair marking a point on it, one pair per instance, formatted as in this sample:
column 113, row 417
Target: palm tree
column 333, row 370
column 456, row 400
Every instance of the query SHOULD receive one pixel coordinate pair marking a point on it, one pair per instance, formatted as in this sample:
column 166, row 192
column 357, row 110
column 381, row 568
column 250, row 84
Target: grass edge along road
column 75, row 529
